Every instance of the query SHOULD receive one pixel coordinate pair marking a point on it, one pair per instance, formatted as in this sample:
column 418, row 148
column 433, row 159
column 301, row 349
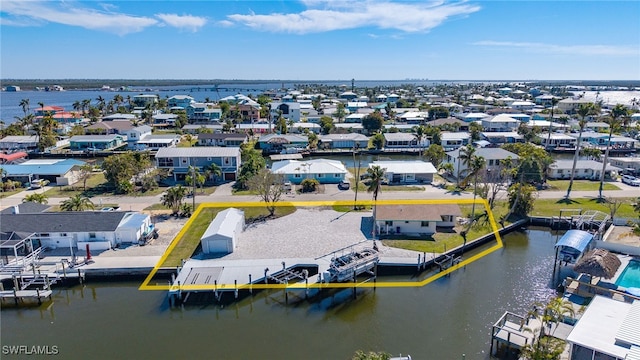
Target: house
column 304, row 127
column 164, row 119
column 401, row 140
column 416, row 220
column 344, row 141
column 222, row 139
column 454, row 140
column 499, row 138
column 196, row 129
column 502, row 122
column 109, row 127
column 354, row 118
column 12, row 158
column 155, row 142
column 275, row 143
column 414, row 117
column 522, row 105
column 570, row 106
column 628, row 164
column 608, row 329
column 471, row 117
column 450, row 123
column 56, row 171
column 324, row 170
column 557, row 141
column 180, row 101
column 254, row 128
column 348, row 95
column 354, row 106
column 356, row 128
column 249, row 113
column 407, row 172
column 492, row 156
column 142, row 101
column 600, row 141
column 289, row 111
column 14, row 143
column 100, row 230
column 203, row 112
column 585, row 169
column 137, row 133
column 179, row 159
column 119, row 116
column 222, row 233
column 95, row 142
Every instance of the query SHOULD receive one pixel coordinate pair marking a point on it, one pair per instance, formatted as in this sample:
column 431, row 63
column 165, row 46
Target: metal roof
column 316, row 166
column 66, row 221
column 58, row 168
column 199, row 151
column 576, row 239
column 629, row 331
column 225, row 223
column 406, row 167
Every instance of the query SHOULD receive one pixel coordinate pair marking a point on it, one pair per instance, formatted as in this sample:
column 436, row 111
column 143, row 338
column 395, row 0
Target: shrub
column 309, row 185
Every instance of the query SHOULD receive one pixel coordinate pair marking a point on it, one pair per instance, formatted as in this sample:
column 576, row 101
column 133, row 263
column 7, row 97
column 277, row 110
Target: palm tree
column 24, row 104
column 214, row 171
column 476, row 164
column 77, row 203
column 554, row 102
column 39, row 198
column 583, row 111
column 465, row 154
column 618, row 113
column 373, row 179
column 173, row 198
column 101, row 104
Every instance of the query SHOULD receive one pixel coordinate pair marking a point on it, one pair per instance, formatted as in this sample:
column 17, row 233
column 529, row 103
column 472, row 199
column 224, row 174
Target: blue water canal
column 443, row 320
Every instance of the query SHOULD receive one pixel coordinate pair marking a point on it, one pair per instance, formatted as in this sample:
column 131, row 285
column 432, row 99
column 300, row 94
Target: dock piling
column 235, row 288
column 250, row 285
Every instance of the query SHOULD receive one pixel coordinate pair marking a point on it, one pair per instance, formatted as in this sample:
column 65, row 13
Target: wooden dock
column 512, row 332
column 25, row 296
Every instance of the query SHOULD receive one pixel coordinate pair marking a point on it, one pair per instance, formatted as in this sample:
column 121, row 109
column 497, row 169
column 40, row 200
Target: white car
column 630, row 180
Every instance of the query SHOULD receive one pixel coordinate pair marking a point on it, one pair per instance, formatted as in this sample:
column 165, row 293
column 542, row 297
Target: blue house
column 57, row 171
column 203, row 112
column 95, row 142
column 179, row 159
column 324, row 170
column 179, row 101
column 275, row 143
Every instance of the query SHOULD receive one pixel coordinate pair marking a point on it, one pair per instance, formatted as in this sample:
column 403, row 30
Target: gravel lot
column 308, row 233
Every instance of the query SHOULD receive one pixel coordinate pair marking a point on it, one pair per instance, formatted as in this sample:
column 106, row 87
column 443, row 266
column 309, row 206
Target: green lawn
column 96, row 185
column 189, row 242
column 348, row 208
column 551, row 207
column 4, row 194
column 580, row 185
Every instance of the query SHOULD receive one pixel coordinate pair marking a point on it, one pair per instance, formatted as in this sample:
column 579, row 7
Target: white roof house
column 407, row 171
column 607, row 327
column 324, row 170
column 222, row 234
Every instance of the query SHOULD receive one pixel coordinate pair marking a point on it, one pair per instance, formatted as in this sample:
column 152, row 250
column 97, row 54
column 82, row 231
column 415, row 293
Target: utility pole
column 355, row 200
column 193, row 193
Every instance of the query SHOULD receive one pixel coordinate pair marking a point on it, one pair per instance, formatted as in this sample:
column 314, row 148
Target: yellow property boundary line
column 147, row 286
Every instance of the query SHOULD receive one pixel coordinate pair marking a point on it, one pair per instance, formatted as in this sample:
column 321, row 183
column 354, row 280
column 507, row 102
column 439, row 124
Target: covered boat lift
column 572, row 245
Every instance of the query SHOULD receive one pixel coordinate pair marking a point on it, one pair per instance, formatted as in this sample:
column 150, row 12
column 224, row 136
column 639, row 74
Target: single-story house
column 109, row 127
column 600, row 141
column 344, row 141
column 58, row 171
column 222, row 139
column 95, row 142
column 475, row 116
column 419, row 219
column 557, row 140
column 451, row 123
column 254, row 128
column 196, row 129
column 164, row 119
column 492, row 156
column 628, row 164
column 19, row 143
column 119, row 117
column 454, row 140
column 275, row 143
column 222, row 233
column 585, row 169
column 12, row 157
column 349, row 127
column 503, row 137
column 324, row 170
column 179, row 159
column 302, row 127
column 155, row 142
column 402, row 140
column 67, row 229
column 407, row 172
column 608, row 329
column 354, row 118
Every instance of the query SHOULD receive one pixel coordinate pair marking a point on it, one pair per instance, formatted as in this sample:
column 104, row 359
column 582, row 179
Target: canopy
column 575, row 239
column 599, row 263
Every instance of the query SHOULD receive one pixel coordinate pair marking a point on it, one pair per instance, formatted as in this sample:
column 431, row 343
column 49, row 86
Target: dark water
column 443, row 320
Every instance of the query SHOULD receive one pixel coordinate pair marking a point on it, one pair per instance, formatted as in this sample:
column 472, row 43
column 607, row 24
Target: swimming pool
column 630, row 277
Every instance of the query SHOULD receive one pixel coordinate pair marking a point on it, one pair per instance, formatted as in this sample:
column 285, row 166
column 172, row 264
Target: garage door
column 230, row 176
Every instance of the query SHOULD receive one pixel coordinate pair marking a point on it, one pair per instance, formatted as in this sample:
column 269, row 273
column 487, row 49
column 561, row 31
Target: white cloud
column 187, row 22
column 65, row 13
column 590, row 50
column 329, row 15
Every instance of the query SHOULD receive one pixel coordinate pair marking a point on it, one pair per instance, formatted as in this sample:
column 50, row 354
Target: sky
column 320, row 40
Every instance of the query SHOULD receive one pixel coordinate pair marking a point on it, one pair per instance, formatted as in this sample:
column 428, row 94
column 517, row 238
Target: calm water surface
column 443, row 320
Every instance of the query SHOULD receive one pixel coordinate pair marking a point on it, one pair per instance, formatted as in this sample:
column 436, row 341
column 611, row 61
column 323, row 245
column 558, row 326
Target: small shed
column 222, row 234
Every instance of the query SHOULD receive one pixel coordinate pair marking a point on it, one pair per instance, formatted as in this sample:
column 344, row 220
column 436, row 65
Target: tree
column 269, row 187
column 377, row 141
column 39, row 198
column 373, row 179
column 584, row 110
column 252, row 163
column 24, row 104
column 465, row 155
column 77, row 203
column 194, row 177
column 84, row 173
column 341, row 112
column 326, row 124
column 474, row 130
column 45, row 130
column 435, row 154
column 373, row 122
column 309, row 185
column 371, row 355
column 173, row 197
column 313, row 140
column 213, row 171
column 476, row 164
column 618, row 114
column 546, row 347
column 521, row 199
column 119, row 169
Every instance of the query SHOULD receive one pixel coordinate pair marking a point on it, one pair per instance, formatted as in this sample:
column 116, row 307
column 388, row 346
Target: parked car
column 38, row 183
column 630, row 180
column 344, row 185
